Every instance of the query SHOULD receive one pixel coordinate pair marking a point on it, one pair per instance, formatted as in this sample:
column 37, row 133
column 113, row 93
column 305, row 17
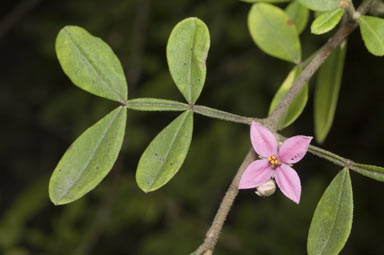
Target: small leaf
column 274, row 32
column 187, row 52
column 155, row 104
column 298, row 104
column 266, row 1
column 298, row 14
column 372, row 31
column 320, row 5
column 327, row 21
column 332, row 221
column 89, row 159
column 165, row 154
column 371, row 171
column 90, row 63
column 327, row 92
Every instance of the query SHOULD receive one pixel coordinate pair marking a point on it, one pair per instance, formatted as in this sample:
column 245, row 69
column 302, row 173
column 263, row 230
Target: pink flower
column 275, row 162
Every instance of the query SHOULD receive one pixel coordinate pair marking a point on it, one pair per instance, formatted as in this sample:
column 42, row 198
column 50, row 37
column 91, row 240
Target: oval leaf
column 371, row 171
column 372, row 31
column 187, row 51
column 298, row 14
column 90, row 63
column 155, row 104
column 327, row 21
column 327, row 92
column 320, row 5
column 298, row 104
column 89, row 159
column 332, row 221
column 274, row 32
column 165, row 154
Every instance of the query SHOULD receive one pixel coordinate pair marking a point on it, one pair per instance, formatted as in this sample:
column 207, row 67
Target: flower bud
column 266, row 189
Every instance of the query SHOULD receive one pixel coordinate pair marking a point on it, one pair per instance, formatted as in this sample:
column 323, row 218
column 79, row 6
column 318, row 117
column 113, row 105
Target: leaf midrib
column 282, row 45
column 92, row 65
column 167, row 153
column 381, row 42
column 332, row 15
column 191, row 63
column 89, row 159
column 337, row 211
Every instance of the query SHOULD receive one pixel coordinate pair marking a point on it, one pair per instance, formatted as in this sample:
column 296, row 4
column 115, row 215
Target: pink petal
column 263, row 140
column 257, row 173
column 294, row 149
column 288, row 182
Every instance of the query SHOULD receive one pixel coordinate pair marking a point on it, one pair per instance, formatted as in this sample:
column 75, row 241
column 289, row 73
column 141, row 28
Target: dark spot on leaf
column 290, row 22
column 185, row 64
column 156, row 154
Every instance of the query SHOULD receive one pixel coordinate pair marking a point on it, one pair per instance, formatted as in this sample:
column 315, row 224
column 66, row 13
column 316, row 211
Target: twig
column 311, row 68
column 213, row 233
column 207, row 247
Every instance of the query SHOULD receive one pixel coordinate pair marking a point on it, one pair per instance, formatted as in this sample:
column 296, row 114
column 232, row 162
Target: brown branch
column 274, row 118
column 207, row 247
column 213, row 233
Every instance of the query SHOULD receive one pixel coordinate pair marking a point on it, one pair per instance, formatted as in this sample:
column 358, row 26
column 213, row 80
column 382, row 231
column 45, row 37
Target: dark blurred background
column 42, row 113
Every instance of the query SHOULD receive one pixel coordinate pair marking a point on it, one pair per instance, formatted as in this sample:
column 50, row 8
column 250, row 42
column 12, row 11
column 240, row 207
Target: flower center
column 273, row 161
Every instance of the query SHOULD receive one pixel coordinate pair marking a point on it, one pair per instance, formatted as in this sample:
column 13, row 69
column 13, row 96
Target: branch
column 207, row 247
column 308, row 72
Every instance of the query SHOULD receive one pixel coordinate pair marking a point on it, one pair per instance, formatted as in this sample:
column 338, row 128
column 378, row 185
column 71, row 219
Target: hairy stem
column 207, row 247
column 214, row 231
column 217, row 114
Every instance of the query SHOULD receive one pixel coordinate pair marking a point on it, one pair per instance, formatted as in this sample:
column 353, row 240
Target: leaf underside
column 165, row 154
column 91, row 64
column 274, row 32
column 332, row 221
column 89, row 159
column 187, row 52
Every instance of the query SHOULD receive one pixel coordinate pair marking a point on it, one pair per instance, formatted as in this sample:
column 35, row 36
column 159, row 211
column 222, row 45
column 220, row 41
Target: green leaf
column 155, row 104
column 372, row 31
column 274, row 32
column 266, row 1
column 187, row 52
column 327, row 21
column 90, row 63
column 89, row 159
column 298, row 104
column 332, row 221
column 298, row 14
column 165, row 154
column 320, row 5
column 371, row 171
column 327, row 92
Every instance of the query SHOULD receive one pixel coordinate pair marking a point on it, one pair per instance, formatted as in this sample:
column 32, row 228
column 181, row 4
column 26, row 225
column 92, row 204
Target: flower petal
column 256, row 174
column 288, row 182
column 294, row 149
column 263, row 141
